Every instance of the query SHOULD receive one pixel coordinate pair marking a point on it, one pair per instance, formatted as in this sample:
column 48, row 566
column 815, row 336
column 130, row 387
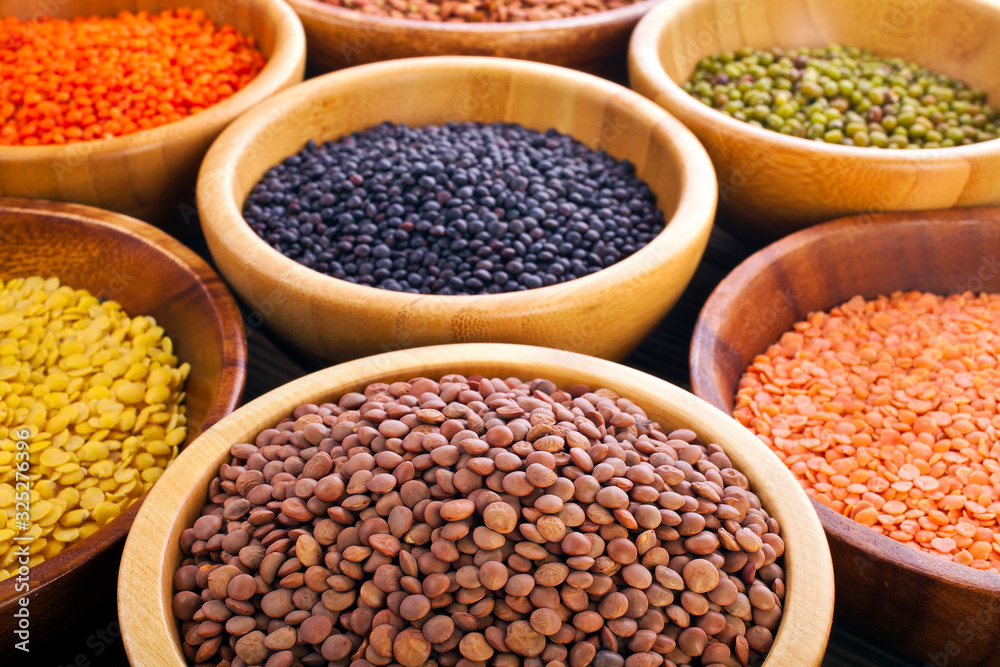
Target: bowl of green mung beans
column 812, row 110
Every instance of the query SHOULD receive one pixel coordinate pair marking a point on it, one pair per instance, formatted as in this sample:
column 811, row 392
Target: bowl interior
column 248, row 17
column 176, row 500
column 945, row 252
column 147, row 272
column 953, row 37
column 601, row 116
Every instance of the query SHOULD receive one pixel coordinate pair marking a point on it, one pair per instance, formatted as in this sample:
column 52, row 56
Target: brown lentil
column 478, row 11
column 539, row 559
column 886, row 411
column 94, row 399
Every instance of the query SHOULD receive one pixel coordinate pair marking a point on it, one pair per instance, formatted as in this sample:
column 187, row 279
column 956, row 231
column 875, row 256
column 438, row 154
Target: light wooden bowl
column 605, row 314
column 149, row 273
column 339, row 37
column 151, row 174
column 771, row 184
column 152, row 555
column 920, row 605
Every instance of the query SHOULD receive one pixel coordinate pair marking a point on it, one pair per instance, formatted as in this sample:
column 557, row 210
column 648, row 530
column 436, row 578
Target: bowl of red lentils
column 477, row 504
column 863, row 353
column 590, row 35
column 816, row 111
column 118, row 345
column 116, row 109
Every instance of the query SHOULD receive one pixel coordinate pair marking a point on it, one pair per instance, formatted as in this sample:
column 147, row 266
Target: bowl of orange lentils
column 116, row 108
column 865, row 352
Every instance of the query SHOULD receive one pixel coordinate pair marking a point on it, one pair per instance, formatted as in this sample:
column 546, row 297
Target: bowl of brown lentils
column 590, row 35
column 457, row 199
column 814, row 111
column 477, row 504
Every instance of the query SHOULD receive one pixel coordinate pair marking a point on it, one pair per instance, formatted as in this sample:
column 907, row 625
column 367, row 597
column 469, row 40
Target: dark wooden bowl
column 338, row 38
column 149, row 273
column 938, row 612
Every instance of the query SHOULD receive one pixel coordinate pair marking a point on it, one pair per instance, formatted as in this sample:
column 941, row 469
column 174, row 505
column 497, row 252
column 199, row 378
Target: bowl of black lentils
column 811, row 111
column 477, row 504
column 457, row 199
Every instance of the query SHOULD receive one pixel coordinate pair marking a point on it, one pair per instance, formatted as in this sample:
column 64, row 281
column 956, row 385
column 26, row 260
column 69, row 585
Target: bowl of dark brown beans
column 477, row 504
column 457, row 199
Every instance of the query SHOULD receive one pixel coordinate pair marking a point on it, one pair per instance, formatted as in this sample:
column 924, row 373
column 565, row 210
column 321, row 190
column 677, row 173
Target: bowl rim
column 645, row 63
column 287, row 57
column 620, row 15
column 220, row 213
column 727, row 294
column 144, row 586
column 231, row 381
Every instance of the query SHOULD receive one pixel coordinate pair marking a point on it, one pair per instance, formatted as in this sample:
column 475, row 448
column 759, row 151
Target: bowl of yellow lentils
column 118, row 346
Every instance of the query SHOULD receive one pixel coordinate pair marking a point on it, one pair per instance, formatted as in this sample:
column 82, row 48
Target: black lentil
column 461, row 208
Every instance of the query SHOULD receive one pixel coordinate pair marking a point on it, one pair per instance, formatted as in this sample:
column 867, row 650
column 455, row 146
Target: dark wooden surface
column 664, row 353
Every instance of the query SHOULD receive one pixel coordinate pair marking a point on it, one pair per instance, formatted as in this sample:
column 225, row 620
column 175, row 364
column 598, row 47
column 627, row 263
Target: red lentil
column 63, row 81
column 886, row 411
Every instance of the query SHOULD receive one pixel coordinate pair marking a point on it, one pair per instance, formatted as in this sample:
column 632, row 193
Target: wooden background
column 664, row 353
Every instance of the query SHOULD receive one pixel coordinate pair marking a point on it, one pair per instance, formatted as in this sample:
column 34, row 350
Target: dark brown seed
column 474, row 646
column 546, row 621
column 414, row 607
column 315, row 629
column 524, row 640
column 281, row 639
column 251, row 649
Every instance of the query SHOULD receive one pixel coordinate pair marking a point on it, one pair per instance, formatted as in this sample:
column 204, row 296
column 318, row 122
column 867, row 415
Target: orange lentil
column 64, row 81
column 888, row 411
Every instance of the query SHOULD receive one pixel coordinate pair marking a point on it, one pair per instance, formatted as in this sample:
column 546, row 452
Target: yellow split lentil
column 100, row 395
column 887, row 412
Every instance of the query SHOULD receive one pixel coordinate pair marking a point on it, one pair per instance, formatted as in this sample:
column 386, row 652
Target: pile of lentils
column 844, row 95
column 472, row 521
column 94, row 397
column 466, row 208
column 480, row 11
column 887, row 412
column 88, row 78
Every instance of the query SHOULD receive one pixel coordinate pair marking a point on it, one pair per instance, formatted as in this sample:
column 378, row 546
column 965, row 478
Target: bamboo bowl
column 150, row 174
column 339, row 37
column 149, row 273
column 771, row 184
column 151, row 554
column 931, row 609
column 605, row 314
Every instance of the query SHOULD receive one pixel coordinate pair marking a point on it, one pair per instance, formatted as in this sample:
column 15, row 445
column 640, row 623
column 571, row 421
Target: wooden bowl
column 151, row 174
column 771, row 184
column 605, row 314
column 149, row 273
column 934, row 610
column 152, row 555
column 339, row 37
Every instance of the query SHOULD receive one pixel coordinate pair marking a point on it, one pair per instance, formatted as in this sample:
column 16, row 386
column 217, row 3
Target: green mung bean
column 844, row 95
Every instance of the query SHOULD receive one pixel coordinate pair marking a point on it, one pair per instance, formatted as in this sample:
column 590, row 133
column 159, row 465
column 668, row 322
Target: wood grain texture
column 151, row 553
column 149, row 174
column 605, row 314
column 338, row 38
column 149, row 273
column 771, row 184
column 915, row 603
